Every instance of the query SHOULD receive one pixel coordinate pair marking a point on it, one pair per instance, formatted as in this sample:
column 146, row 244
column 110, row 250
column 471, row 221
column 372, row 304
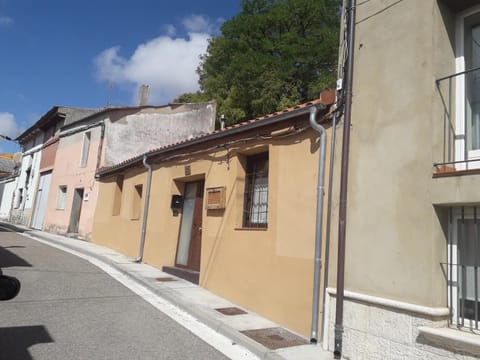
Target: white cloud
column 170, row 30
column 8, row 126
column 6, row 21
column 198, row 24
column 165, row 63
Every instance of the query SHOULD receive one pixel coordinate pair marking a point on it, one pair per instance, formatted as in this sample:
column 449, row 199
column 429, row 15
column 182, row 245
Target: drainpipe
column 329, row 216
column 319, row 220
column 145, row 209
column 100, row 144
column 342, row 218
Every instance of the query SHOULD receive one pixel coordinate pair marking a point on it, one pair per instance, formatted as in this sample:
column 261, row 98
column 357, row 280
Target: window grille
column 255, row 213
column 463, row 267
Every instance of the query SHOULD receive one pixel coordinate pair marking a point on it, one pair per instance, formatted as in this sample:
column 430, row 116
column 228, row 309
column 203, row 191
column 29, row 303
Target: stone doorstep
column 451, row 339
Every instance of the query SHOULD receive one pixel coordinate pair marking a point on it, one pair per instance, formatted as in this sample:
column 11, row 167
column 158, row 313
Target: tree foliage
column 273, row 54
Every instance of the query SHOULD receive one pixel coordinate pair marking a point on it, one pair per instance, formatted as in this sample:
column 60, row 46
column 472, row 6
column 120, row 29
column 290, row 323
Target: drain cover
column 165, row 279
column 231, row 311
column 275, row 338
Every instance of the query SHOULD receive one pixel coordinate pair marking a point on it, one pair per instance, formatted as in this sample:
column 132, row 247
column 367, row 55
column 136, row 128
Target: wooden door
column 190, row 236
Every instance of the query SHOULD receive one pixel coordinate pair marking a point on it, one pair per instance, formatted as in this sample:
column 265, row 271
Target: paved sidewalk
column 198, row 302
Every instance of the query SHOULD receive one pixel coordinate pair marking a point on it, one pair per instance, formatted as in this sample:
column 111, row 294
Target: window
column 463, row 267
column 255, row 211
column 467, row 123
column 61, row 197
column 85, row 149
column 117, row 200
column 472, row 84
column 137, row 202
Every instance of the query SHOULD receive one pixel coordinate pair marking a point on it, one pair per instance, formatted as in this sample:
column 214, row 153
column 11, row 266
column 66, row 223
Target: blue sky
column 93, row 53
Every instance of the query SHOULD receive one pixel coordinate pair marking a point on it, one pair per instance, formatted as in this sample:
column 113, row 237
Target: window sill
column 252, row 228
column 447, row 172
column 451, row 339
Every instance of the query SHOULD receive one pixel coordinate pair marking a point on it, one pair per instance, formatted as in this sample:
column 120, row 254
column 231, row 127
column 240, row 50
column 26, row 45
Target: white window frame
column 461, row 153
column 87, row 138
column 61, row 197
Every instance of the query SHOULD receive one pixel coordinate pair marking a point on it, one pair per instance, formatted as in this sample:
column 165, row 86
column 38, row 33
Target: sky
column 97, row 53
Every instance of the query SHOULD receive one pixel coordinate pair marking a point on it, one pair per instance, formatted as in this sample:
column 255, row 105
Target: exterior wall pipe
column 329, row 218
column 319, row 220
column 145, row 209
column 342, row 218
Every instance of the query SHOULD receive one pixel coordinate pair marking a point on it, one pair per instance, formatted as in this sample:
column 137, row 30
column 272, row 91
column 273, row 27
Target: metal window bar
column 475, row 237
column 463, row 267
column 461, row 300
column 450, row 268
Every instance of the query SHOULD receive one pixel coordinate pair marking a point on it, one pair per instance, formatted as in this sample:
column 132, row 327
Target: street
column 69, row 309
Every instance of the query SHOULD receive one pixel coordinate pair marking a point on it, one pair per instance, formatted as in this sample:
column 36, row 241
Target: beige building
column 412, row 236
column 233, row 210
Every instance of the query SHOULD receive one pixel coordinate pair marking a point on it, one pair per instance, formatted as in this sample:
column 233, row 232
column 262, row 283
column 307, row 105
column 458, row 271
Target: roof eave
column 216, row 135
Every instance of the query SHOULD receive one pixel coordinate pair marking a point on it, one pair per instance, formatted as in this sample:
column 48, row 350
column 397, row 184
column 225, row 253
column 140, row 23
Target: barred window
column 255, row 211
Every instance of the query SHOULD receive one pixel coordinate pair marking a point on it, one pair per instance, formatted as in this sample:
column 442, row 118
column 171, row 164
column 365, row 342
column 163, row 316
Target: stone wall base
column 376, row 328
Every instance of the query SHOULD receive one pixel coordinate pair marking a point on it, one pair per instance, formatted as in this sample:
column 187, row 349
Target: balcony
column 460, row 99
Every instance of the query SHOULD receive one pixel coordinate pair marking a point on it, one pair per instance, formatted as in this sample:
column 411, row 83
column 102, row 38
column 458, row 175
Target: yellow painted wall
column 267, row 271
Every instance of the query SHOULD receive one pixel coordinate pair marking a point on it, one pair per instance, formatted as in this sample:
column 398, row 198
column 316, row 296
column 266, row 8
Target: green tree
column 273, row 54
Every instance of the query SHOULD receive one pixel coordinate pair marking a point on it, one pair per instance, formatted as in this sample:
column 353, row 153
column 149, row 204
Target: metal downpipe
column 145, row 210
column 342, row 216
column 318, row 225
column 329, row 218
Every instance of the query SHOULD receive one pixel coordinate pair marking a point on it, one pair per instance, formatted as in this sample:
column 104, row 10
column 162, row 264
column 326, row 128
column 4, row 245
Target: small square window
column 137, row 202
column 61, row 197
column 117, row 200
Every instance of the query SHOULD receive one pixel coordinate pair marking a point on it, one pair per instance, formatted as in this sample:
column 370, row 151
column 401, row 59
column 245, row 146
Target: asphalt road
column 69, row 309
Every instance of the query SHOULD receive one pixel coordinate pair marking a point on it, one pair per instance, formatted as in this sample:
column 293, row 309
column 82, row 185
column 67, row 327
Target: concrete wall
column 395, row 239
column 68, row 172
column 138, row 130
column 392, row 149
column 7, row 197
column 27, row 186
column 269, row 271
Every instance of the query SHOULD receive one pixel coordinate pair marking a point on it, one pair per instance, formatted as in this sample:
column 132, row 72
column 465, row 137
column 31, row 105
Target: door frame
column 198, row 209
column 80, row 205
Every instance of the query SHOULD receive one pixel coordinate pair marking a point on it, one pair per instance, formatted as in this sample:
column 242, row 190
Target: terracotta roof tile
column 325, row 99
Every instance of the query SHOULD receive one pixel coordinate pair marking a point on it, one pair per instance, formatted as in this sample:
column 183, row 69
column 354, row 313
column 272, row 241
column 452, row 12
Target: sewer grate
column 230, row 311
column 166, row 279
column 275, row 338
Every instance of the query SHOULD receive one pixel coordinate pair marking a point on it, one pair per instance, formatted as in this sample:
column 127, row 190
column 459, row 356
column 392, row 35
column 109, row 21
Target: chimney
column 143, row 92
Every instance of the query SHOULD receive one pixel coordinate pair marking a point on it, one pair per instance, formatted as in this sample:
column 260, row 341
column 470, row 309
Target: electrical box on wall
column 215, row 198
column 177, row 202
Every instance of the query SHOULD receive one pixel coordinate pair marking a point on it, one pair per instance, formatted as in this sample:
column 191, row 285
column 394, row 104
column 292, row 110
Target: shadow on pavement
column 9, row 259
column 5, row 227
column 15, row 341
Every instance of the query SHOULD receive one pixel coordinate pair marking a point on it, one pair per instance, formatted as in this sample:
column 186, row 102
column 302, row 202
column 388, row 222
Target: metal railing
column 458, row 141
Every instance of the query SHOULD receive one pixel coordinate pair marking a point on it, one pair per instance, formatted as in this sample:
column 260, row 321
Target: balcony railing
column 460, row 98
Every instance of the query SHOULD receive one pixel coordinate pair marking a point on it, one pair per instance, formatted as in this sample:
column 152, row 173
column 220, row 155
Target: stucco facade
column 398, row 210
column 105, row 138
column 267, row 269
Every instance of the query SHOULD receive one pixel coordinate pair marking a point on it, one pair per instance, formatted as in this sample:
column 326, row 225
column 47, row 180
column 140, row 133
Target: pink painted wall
column 67, row 171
